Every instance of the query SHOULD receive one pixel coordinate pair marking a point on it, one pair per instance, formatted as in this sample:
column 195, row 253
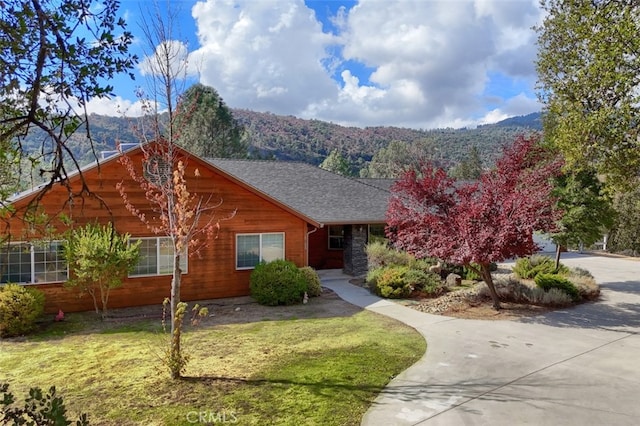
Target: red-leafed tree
column 491, row 220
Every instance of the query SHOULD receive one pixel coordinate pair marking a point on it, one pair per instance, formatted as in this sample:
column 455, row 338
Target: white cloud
column 116, row 106
column 263, row 55
column 170, row 57
column 517, row 105
column 431, row 60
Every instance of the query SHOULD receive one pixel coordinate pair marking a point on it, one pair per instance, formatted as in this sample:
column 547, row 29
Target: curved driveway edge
column 578, row 366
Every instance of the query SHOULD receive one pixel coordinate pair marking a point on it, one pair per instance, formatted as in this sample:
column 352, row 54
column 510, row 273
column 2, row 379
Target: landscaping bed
column 520, row 288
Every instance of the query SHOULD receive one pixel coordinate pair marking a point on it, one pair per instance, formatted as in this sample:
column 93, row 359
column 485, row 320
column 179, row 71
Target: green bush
column 528, row 267
column 39, row 408
column 452, row 268
column 556, row 297
column 20, row 307
column 423, row 264
column 580, row 272
column 471, row 274
column 372, row 278
column 433, row 286
column 512, row 289
column 277, row 283
column 586, row 285
column 391, row 282
column 379, row 254
column 398, row 281
column 549, row 281
column 314, row 287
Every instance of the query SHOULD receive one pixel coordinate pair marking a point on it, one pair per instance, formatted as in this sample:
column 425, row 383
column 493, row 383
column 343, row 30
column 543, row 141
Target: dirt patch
column 467, row 304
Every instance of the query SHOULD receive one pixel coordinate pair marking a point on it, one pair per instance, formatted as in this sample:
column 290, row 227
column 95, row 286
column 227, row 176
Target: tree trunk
column 558, row 251
column 92, row 293
column 176, row 326
column 486, row 276
column 104, row 295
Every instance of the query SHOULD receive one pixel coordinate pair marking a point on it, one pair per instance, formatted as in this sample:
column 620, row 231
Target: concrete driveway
column 579, row 366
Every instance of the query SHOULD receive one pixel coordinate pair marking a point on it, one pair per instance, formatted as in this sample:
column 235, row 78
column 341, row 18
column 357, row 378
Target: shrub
column 549, row 281
column 586, row 285
column 99, row 259
column 372, row 278
column 430, row 284
column 39, row 408
column 391, row 282
column 528, row 267
column 397, row 281
column 314, row 287
column 580, row 272
column 379, row 254
column 20, row 307
column 471, row 274
column 422, row 264
column 277, row 283
column 511, row 289
column 514, row 290
column 451, row 268
column 556, row 297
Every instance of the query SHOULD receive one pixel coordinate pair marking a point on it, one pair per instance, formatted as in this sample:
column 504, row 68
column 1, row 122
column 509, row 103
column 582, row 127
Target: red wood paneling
column 212, row 272
column 320, row 257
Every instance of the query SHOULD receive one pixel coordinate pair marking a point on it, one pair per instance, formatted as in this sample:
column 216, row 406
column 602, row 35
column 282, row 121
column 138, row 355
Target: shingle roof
column 323, row 196
column 381, row 183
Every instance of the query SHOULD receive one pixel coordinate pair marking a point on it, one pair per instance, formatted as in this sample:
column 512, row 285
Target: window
column 28, row 263
column 377, row 234
column 336, row 237
column 252, row 249
column 156, row 257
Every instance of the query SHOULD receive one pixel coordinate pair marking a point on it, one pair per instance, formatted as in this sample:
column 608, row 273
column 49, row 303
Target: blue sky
column 420, row 64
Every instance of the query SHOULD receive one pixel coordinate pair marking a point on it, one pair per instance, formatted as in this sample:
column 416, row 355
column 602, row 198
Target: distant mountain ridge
column 291, row 138
column 532, row 121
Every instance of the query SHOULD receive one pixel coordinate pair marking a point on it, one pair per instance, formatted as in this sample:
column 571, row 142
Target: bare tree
column 187, row 218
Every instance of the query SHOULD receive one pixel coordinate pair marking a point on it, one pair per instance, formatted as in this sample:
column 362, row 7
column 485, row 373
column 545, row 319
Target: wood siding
column 211, row 273
column 320, row 256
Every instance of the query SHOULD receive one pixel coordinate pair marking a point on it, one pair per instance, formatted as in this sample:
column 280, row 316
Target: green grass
column 292, row 372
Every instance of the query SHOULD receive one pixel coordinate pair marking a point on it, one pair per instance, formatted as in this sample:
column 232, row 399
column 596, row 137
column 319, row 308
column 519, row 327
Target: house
column 285, row 210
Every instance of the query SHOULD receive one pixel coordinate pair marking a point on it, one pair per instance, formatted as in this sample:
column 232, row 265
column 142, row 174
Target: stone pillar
column 355, row 257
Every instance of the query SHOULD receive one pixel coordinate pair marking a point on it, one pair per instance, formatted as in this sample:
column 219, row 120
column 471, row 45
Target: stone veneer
column 355, row 257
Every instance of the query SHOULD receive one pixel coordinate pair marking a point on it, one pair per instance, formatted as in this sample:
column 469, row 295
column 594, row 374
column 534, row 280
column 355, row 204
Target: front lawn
column 311, row 371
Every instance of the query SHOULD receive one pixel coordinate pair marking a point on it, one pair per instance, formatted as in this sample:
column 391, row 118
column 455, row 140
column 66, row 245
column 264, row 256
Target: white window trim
column 185, row 255
column 33, row 263
column 260, row 234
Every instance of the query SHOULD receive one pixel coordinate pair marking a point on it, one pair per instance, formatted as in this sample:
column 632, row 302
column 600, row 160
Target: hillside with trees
column 294, row 139
column 291, row 138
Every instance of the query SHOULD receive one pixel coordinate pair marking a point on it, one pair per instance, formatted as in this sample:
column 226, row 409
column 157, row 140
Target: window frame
column 184, row 258
column 260, row 247
column 333, row 237
column 376, row 236
column 33, row 252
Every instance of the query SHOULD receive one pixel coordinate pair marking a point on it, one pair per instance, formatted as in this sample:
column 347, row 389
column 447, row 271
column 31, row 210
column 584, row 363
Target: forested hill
column 291, row 138
column 288, row 137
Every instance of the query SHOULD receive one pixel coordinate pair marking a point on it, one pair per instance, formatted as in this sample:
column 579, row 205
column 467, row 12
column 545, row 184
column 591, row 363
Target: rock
column 453, row 280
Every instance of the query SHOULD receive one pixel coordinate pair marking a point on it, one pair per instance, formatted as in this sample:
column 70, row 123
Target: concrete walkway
column 578, row 366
